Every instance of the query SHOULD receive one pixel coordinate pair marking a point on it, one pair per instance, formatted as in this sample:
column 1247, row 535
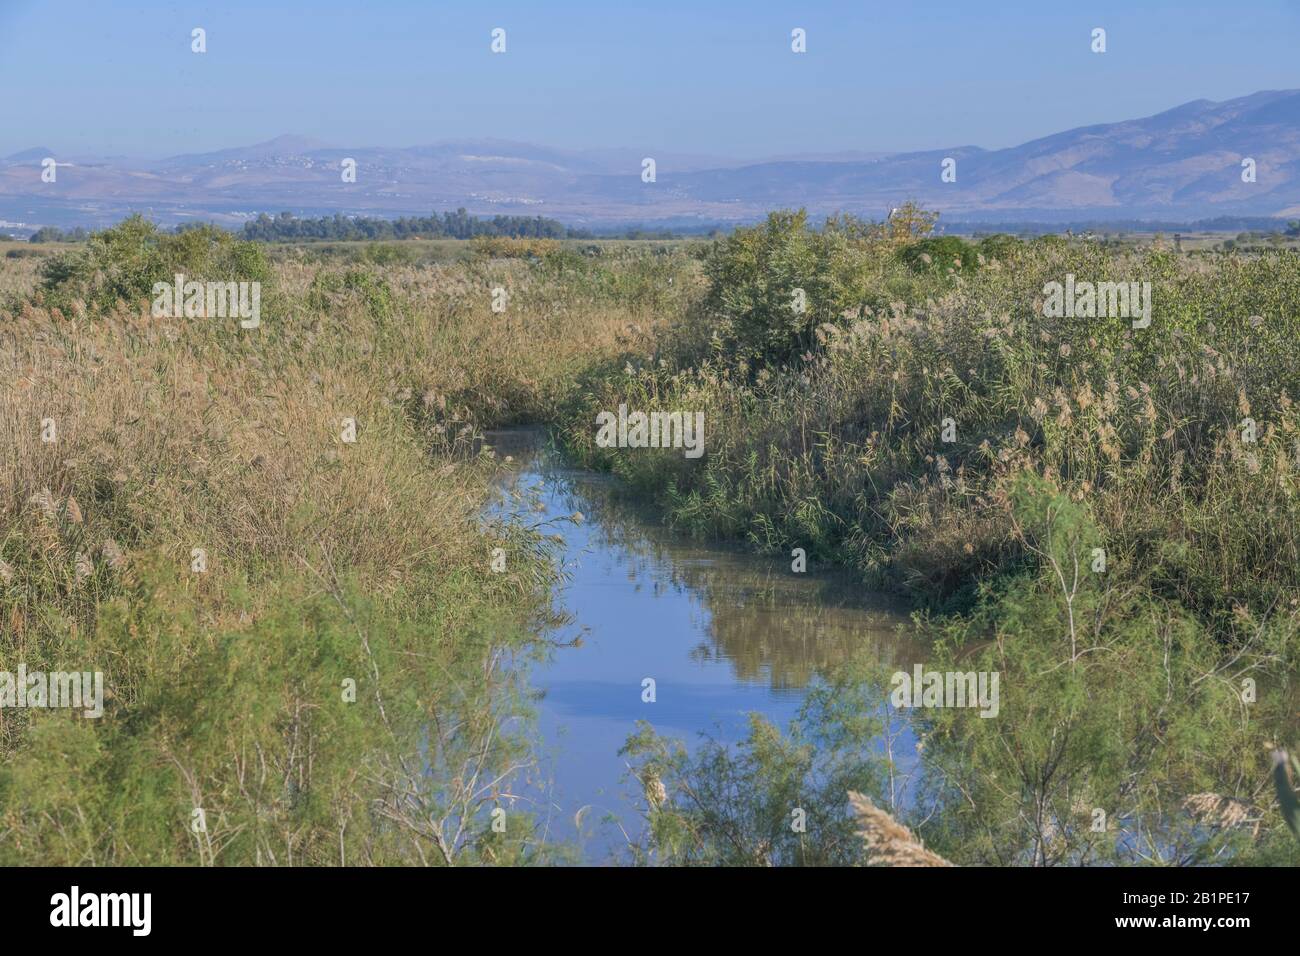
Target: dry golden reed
column 889, row 842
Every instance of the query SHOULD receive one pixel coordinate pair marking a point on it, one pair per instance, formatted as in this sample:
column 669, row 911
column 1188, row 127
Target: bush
column 944, row 436
column 123, row 264
column 773, row 286
column 775, row 799
column 329, row 290
column 940, row 255
column 386, row 254
column 507, row 247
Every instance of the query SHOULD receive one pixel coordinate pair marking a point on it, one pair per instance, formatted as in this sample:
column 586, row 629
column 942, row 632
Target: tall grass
column 918, row 420
column 1107, row 515
column 337, row 686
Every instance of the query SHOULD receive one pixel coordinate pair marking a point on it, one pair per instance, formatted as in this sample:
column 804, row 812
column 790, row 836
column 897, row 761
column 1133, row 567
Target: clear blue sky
column 706, row 76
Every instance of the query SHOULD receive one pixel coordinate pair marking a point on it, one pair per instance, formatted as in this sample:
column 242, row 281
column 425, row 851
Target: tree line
column 54, row 234
column 457, row 225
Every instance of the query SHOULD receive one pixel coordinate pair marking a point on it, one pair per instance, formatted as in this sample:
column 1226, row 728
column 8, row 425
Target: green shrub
column 387, row 254
column 1112, row 515
column 124, row 263
column 941, row 255
column 775, row 799
column 329, row 290
column 772, row 285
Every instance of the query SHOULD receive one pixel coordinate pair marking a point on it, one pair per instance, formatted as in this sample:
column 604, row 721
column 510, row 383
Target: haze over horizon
column 513, row 110
column 1199, row 160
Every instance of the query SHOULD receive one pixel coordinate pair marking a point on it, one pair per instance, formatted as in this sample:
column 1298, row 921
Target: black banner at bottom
column 337, row 905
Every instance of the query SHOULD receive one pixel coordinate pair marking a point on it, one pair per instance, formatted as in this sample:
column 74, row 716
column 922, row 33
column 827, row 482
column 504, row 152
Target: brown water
column 721, row 631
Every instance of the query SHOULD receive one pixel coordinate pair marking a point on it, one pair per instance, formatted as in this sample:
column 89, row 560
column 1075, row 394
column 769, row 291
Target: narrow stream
column 722, row 632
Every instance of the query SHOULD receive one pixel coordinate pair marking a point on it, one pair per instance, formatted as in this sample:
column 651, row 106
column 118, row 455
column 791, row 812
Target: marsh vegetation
column 918, row 423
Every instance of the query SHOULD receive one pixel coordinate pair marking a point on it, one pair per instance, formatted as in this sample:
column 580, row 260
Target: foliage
column 452, row 225
column 941, row 255
column 1114, row 508
column 54, row 234
column 123, row 264
column 775, row 799
column 328, row 562
column 509, row 247
column 1078, row 504
column 771, row 286
column 1283, row 766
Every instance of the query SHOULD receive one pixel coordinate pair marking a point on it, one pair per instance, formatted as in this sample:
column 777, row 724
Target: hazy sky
column 704, row 76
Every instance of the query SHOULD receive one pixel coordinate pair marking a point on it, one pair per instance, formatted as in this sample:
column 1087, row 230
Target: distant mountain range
column 1180, row 165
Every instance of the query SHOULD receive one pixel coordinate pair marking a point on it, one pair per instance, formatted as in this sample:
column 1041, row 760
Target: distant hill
column 1180, row 165
column 36, row 154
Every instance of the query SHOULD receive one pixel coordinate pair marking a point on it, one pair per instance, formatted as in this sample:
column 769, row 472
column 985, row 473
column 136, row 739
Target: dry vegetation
column 331, row 561
column 1106, row 516
column 327, row 561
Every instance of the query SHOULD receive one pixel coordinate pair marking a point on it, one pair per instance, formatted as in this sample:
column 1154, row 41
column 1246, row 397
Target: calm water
column 721, row 631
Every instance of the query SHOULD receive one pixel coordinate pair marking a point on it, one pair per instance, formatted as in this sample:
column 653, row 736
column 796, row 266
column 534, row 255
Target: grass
column 1105, row 516
column 335, row 685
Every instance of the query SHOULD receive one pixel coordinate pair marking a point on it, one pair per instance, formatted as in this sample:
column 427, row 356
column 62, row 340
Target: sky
column 712, row 77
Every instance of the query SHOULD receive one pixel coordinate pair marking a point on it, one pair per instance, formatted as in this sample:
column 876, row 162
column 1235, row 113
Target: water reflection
column 723, row 633
column 720, row 631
